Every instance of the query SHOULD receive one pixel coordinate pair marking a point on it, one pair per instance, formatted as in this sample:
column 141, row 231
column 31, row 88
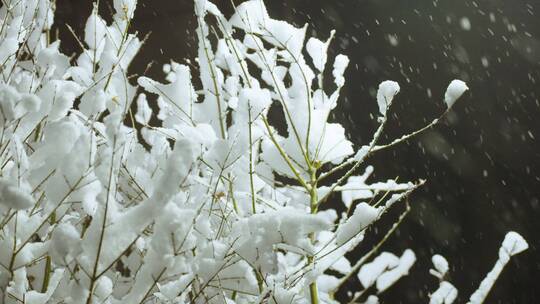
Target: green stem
column 47, row 275
column 94, row 276
column 284, row 155
column 253, row 198
column 313, row 290
column 231, row 193
column 259, row 281
column 214, row 79
column 48, row 263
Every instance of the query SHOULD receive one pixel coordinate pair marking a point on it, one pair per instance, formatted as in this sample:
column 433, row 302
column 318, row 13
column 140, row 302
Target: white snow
column 485, row 61
column 317, row 51
column 387, row 90
column 369, row 273
column 340, row 64
column 357, row 188
column 144, row 112
column 372, row 300
column 388, row 278
column 361, row 153
column 12, row 196
column 513, row 244
column 445, row 294
column 393, row 39
column 64, row 242
column 95, row 31
column 441, row 266
column 454, row 92
column 465, row 23
column 125, row 8
column 362, row 217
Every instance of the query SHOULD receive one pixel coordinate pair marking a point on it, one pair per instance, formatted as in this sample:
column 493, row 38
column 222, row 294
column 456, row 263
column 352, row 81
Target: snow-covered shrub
column 211, row 205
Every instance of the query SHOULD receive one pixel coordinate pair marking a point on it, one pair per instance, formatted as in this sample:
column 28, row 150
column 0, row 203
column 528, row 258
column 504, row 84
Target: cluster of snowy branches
column 213, row 205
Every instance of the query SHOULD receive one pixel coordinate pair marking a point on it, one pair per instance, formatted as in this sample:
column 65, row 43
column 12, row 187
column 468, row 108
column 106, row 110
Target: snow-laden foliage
column 201, row 201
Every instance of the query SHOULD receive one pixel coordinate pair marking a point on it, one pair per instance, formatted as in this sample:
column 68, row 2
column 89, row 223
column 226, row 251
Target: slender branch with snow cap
column 446, row 293
column 454, row 92
column 513, row 244
column 387, row 90
column 384, row 271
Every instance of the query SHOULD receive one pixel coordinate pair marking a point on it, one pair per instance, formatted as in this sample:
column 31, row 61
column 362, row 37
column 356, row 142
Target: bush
column 101, row 204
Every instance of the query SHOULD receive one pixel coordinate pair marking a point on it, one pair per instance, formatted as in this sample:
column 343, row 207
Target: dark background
column 482, row 163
